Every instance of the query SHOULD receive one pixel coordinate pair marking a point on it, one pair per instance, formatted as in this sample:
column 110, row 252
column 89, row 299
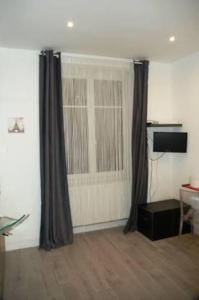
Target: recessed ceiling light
column 70, row 24
column 172, row 38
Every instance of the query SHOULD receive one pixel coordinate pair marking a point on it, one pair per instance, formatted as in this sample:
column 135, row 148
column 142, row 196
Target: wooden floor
column 106, row 265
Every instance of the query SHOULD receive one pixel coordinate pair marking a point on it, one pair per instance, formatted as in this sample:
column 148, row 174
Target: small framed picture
column 16, row 125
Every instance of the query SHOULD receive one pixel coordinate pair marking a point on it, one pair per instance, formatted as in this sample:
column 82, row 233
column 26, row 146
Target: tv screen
column 170, row 142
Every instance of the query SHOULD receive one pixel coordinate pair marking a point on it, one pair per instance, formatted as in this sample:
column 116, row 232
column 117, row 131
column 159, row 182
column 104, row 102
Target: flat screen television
column 170, row 142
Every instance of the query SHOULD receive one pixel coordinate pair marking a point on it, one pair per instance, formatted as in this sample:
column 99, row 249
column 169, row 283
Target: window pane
column 76, row 139
column 74, row 91
column 109, row 138
column 108, row 93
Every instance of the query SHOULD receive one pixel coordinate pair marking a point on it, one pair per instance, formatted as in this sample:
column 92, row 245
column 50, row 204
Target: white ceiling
column 117, row 28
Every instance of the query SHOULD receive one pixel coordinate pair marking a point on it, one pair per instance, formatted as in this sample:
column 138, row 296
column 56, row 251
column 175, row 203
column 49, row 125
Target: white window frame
column 106, row 176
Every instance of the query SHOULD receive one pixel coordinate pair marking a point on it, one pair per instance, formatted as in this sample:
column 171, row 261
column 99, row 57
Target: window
column 96, row 133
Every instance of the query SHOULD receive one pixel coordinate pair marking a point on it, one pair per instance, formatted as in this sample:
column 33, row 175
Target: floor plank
column 106, row 265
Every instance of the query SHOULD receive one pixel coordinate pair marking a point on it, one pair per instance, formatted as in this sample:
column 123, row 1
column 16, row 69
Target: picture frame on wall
column 16, row 125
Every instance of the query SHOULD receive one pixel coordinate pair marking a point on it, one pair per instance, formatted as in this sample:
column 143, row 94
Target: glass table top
column 7, row 224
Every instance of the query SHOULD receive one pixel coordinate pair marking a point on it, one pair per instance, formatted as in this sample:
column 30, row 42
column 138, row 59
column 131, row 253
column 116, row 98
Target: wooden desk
column 190, row 197
column 2, row 253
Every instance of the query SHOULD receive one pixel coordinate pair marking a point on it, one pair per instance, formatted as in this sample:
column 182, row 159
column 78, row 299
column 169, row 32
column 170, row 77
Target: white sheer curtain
column 97, row 99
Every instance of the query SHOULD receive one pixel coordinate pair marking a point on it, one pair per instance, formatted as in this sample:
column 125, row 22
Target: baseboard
column 22, row 244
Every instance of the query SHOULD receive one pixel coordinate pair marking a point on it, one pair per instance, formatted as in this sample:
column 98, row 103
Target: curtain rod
column 135, row 61
column 43, row 52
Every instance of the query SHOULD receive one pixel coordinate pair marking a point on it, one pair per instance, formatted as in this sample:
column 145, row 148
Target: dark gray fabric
column 139, row 143
column 56, row 225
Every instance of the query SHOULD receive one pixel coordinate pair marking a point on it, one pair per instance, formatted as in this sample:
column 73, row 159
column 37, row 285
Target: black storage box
column 161, row 219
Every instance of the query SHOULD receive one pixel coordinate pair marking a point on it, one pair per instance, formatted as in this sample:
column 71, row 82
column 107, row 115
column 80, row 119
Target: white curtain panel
column 97, row 100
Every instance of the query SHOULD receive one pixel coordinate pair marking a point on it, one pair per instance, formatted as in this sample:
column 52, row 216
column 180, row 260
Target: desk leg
column 2, row 249
column 181, row 214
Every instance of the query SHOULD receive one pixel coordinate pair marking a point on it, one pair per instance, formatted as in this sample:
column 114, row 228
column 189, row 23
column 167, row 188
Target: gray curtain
column 139, row 143
column 56, row 225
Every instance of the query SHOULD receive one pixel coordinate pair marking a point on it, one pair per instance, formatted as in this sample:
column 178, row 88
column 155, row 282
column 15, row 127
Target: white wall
column 19, row 153
column 160, row 100
column 186, row 108
column 160, row 108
